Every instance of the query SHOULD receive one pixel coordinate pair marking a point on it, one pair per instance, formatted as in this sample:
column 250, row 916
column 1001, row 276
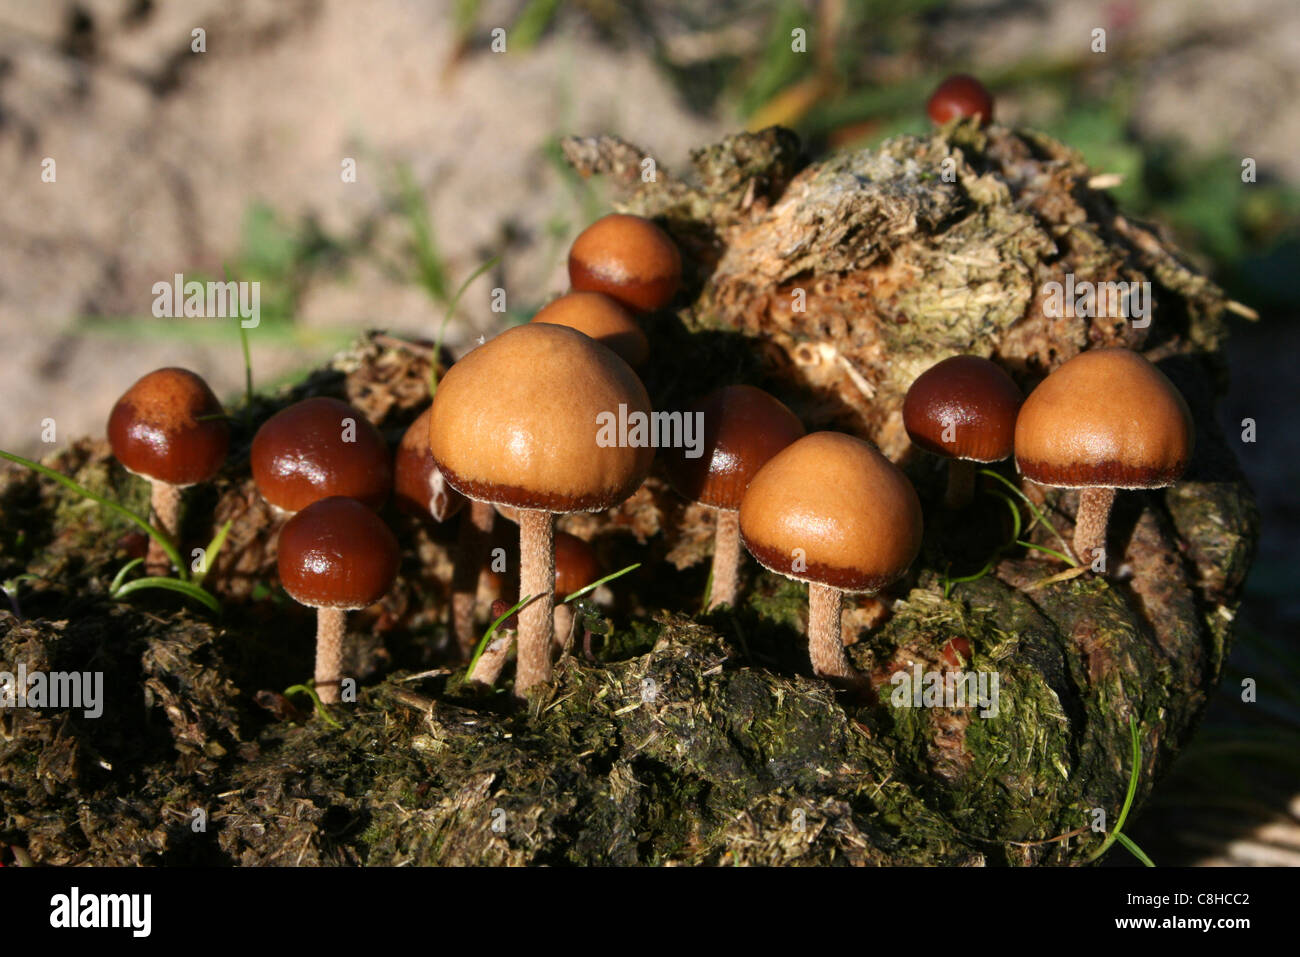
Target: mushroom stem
column 1090, row 522
column 961, row 483
column 726, row 558
column 563, row 628
column 825, row 640
column 488, row 667
column 165, row 500
column 330, row 627
column 536, row 577
column 474, row 538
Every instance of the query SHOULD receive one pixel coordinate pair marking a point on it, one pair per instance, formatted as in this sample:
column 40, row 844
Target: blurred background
column 169, row 159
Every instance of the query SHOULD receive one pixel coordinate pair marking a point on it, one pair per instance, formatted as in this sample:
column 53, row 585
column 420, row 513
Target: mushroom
column 518, row 421
column 318, row 448
column 335, row 555
column 576, row 567
column 832, row 511
column 418, row 487
column 1107, row 419
column 170, row 429
column 629, row 258
column 743, row 428
column 604, row 319
column 421, row 489
column 964, row 409
column 960, row 95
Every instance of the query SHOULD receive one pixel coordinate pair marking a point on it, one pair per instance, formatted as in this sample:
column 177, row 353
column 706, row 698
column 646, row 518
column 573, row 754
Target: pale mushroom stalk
column 331, row 625
column 165, row 500
column 1091, row 520
column 536, row 577
column 726, row 559
column 825, row 639
column 563, row 627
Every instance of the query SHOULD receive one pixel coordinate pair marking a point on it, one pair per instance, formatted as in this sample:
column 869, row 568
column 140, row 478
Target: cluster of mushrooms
column 512, row 430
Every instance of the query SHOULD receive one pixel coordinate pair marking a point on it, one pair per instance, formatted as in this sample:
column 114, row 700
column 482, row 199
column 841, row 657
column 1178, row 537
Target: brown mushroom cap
column 416, row 489
column 1107, row 418
column 299, row 456
column 629, row 258
column 743, row 428
column 972, row 395
column 337, row 553
column 515, row 422
column 604, row 319
column 170, row 427
column 576, row 565
column 853, row 516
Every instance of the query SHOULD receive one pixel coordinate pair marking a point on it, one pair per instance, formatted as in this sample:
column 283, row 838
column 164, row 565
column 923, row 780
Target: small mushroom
column 318, row 448
column 170, row 429
column 743, row 428
column 1107, row 419
column 629, row 258
column 576, row 567
column 960, row 95
column 832, row 511
column 420, row 489
column 518, row 422
column 335, row 555
column 604, row 319
column 964, row 409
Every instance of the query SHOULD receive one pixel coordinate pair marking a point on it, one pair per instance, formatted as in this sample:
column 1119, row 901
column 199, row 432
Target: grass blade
column 109, row 504
column 188, row 589
column 446, row 318
column 596, row 584
column 120, row 577
column 214, row 548
column 492, row 630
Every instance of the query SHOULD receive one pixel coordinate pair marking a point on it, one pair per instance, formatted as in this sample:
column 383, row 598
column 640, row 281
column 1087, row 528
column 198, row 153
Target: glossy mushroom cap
column 299, row 456
column 604, row 319
column 418, row 486
column 575, row 564
column 518, row 421
column 960, row 95
column 170, row 427
column 1107, row 418
column 743, row 428
column 839, row 506
column 974, row 397
column 629, row 258
column 337, row 553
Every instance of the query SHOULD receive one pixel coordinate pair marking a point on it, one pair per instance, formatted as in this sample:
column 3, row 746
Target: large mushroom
column 963, row 409
column 318, row 448
column 335, row 555
column 170, row 429
column 831, row 511
column 524, row 421
column 743, row 428
column 1107, row 419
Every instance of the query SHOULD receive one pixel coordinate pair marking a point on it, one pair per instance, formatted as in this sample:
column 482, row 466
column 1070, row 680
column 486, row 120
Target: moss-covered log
column 684, row 737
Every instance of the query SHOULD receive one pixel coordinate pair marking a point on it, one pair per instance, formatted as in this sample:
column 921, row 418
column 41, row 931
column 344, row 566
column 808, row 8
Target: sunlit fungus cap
column 170, row 427
column 319, row 448
column 629, row 258
column 602, row 318
column 834, row 504
column 417, row 486
column 963, row 408
column 337, row 553
column 743, row 428
column 518, row 421
column 1107, row 418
